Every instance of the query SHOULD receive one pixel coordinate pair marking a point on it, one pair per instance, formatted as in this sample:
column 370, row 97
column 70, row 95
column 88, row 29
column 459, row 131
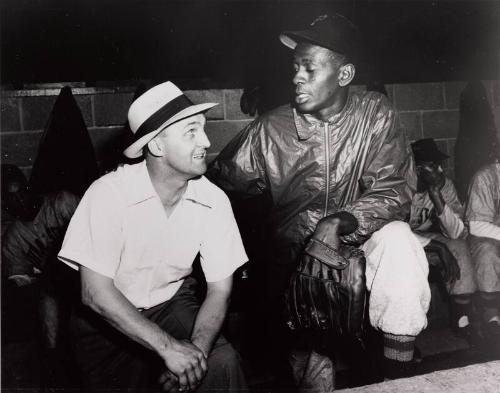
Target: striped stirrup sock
column 399, row 348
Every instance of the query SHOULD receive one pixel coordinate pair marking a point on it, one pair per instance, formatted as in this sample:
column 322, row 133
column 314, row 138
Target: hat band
column 162, row 115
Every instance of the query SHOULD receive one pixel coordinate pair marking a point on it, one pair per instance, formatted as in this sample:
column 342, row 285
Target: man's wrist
column 165, row 342
column 201, row 345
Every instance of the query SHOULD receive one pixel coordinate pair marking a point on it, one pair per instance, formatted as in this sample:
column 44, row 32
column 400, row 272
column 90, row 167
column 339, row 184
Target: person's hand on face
column 430, row 174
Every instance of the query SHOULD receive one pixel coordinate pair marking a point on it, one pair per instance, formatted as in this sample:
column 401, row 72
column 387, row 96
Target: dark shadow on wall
column 477, row 142
column 66, row 157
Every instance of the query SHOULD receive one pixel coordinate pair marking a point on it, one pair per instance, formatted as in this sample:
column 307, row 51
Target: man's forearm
column 116, row 309
column 437, row 199
column 451, row 224
column 210, row 319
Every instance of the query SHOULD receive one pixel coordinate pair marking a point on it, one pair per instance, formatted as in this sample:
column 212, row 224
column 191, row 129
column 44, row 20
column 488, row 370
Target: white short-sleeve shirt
column 121, row 230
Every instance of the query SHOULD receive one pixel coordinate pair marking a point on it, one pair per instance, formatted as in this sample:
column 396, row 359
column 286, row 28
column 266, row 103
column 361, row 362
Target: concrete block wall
column 24, row 115
column 425, row 110
column 431, row 110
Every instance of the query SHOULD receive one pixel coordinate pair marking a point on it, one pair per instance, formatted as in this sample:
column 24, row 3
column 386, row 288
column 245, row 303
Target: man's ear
column 155, row 147
column 346, row 74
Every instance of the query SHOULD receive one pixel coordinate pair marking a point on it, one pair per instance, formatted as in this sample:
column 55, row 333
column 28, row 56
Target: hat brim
column 135, row 149
column 291, row 38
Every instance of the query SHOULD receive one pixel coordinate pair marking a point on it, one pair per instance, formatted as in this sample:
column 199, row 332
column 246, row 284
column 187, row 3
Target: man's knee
column 460, row 250
column 486, row 251
column 394, row 230
column 459, row 246
column 224, row 370
column 397, row 239
column 487, row 245
column 396, row 265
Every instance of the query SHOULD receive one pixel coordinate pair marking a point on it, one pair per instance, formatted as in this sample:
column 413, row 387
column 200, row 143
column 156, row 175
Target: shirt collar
column 307, row 124
column 141, row 187
column 196, row 193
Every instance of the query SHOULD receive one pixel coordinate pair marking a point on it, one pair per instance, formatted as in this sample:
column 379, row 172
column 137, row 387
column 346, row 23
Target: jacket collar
column 141, row 188
column 306, row 124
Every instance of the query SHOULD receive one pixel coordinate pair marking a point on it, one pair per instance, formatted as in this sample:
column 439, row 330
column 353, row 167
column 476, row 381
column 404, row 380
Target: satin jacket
column 359, row 161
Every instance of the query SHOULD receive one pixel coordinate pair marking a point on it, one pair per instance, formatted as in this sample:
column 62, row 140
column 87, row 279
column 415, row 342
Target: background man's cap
column 155, row 110
column 427, row 150
column 334, row 32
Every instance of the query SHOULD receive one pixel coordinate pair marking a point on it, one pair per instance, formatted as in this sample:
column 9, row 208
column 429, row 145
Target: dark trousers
column 107, row 359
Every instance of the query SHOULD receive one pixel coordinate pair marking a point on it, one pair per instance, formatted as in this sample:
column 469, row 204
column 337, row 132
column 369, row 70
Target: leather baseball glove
column 328, row 289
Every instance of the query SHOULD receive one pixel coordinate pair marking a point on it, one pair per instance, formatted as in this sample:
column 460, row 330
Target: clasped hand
column 186, row 366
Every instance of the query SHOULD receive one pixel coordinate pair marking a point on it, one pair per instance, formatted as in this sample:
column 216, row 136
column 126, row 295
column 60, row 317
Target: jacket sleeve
column 239, row 168
column 388, row 181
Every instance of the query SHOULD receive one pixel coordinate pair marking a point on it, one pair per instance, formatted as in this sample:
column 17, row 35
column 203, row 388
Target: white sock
column 463, row 321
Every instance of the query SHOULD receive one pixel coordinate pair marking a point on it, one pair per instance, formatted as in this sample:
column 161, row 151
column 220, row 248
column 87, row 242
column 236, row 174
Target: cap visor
column 292, row 38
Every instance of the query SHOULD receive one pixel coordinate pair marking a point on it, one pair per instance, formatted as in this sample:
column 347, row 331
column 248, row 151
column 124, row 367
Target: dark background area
column 234, row 43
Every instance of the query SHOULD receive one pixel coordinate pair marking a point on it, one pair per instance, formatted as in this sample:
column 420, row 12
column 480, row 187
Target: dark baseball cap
column 334, row 32
column 427, row 150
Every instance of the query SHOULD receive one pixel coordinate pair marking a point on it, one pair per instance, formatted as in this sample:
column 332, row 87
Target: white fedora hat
column 156, row 109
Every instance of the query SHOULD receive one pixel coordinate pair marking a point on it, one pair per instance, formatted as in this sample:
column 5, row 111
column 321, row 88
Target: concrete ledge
column 483, row 377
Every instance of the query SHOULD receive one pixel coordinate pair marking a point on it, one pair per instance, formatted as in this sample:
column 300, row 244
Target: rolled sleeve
column 93, row 236
column 222, row 250
column 481, row 203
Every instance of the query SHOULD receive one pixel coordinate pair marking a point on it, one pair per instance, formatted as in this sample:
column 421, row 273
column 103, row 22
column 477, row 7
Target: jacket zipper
column 327, row 163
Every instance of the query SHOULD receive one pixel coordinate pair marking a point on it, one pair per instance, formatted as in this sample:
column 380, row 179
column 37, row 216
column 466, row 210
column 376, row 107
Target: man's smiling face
column 185, row 144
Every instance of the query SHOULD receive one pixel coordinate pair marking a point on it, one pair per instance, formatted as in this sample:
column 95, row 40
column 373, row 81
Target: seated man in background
column 30, row 245
column 483, row 217
column 17, row 202
column 436, row 219
column 134, row 238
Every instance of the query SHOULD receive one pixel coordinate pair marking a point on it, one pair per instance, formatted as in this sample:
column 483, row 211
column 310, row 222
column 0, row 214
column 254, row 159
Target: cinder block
column 84, row 102
column 112, row 109
column 451, row 146
column 232, row 105
column 221, row 132
column 443, row 146
column 202, row 96
column 418, row 96
column 20, row 148
column 452, row 91
column 411, row 124
column 9, row 107
column 440, row 124
column 36, row 111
